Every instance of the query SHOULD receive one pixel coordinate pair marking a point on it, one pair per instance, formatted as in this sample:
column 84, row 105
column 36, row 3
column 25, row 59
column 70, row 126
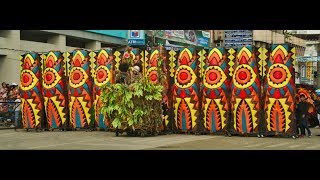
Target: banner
column 136, row 38
column 203, row 38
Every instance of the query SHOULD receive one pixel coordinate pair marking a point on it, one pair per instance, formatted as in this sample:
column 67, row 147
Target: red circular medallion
column 25, row 78
column 76, row 76
column 277, row 74
column 48, row 77
column 242, row 75
column 153, row 77
column 212, row 76
column 183, row 76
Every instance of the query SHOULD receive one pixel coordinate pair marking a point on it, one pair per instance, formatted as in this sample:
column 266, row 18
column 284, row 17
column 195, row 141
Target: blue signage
column 136, row 38
column 138, row 42
column 202, row 41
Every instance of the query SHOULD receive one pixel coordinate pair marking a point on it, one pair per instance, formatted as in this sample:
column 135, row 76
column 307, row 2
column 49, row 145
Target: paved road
column 100, row 140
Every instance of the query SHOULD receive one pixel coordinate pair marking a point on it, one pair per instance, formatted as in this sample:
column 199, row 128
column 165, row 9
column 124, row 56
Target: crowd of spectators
column 10, row 103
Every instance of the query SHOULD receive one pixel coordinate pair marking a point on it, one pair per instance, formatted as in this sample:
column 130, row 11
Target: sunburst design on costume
column 278, row 115
column 102, row 76
column 28, row 80
column 244, row 76
column 152, row 74
column 214, row 77
column 184, row 77
column 77, row 77
column 50, row 78
column 278, row 76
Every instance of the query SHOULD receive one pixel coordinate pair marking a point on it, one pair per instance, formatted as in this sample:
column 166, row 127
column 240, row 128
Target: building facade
column 180, row 38
column 265, row 38
column 15, row 42
column 308, row 67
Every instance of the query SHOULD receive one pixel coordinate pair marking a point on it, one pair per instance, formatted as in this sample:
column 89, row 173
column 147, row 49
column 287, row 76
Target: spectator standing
column 302, row 111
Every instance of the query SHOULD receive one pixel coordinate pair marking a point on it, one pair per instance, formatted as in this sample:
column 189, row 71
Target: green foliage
column 134, row 105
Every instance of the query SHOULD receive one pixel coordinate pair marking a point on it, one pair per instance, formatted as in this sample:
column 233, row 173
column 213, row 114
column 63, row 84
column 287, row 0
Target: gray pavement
column 101, row 140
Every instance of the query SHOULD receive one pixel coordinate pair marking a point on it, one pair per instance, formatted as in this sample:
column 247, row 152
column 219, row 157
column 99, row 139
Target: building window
column 35, row 36
column 303, row 71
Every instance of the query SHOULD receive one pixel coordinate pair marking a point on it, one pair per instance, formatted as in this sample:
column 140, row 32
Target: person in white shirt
column 17, row 111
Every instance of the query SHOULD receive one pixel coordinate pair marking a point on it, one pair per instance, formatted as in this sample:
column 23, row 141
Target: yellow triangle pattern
column 142, row 61
column 66, row 63
column 188, row 52
column 44, row 60
column 206, row 105
column 280, row 47
column 253, row 112
column 21, row 62
column 262, row 62
column 92, row 63
column 286, row 112
column 30, row 57
column 222, row 112
column 57, row 104
column 84, row 106
column 271, row 102
column 95, row 105
column 117, row 59
column 201, row 61
column 193, row 111
column 172, row 63
column 293, row 50
column 245, row 49
column 176, row 106
column 35, row 111
column 235, row 113
column 217, row 51
column 166, row 119
column 146, row 62
column 231, row 61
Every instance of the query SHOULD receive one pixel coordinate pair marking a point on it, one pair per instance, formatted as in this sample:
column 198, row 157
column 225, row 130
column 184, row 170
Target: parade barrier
column 247, row 91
